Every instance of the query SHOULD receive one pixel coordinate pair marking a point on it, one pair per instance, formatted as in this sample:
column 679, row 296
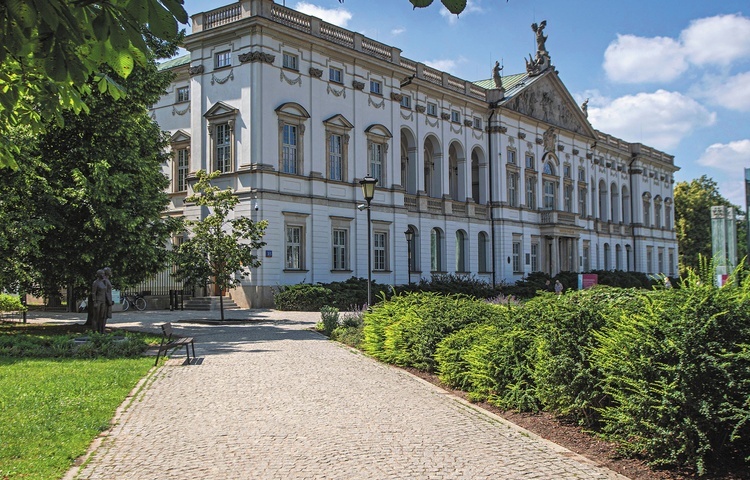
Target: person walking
column 558, row 287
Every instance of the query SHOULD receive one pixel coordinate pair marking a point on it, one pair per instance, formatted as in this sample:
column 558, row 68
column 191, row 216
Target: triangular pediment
column 340, row 121
column 220, row 109
column 545, row 98
column 180, row 136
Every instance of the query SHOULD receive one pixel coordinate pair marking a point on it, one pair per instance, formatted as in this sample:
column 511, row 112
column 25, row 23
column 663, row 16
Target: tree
column 221, row 250
column 52, row 51
column 91, row 193
column 453, row 6
column 692, row 204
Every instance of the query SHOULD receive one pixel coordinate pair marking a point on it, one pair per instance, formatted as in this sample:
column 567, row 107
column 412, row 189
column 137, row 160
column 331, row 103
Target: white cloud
column 732, row 93
column 660, row 119
column 398, row 31
column 632, row 59
column 445, row 65
column 336, row 16
column 731, row 157
column 718, row 40
column 734, row 189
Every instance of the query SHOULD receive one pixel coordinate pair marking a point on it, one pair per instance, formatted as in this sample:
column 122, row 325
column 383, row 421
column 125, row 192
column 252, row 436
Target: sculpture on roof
column 585, row 108
column 540, row 63
column 496, row 75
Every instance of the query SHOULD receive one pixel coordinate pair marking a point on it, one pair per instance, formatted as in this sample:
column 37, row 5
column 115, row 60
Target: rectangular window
column 294, row 259
column 376, row 87
column 649, row 259
column 516, row 257
column 478, row 122
column 586, row 258
column 512, row 157
column 581, row 175
column 379, row 251
column 223, row 59
column 531, row 192
column 335, row 75
column 406, row 101
column 660, row 260
column 432, row 109
column 335, row 158
column 223, row 148
column 183, row 164
column 582, row 202
column 289, row 149
column 290, row 61
column 549, row 195
column 183, row 94
column 566, row 171
column 455, row 116
column 340, row 244
column 513, row 189
column 568, row 200
column 671, row 262
column 376, row 162
column 530, row 161
column 534, row 257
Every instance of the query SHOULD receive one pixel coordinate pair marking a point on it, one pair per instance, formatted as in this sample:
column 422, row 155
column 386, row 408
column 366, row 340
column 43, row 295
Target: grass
column 51, row 409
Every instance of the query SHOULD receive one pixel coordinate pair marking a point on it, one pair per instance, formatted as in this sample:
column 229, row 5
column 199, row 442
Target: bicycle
column 135, row 299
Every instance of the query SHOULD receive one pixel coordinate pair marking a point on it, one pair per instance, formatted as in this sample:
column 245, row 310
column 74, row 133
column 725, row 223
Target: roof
column 513, row 84
column 175, row 62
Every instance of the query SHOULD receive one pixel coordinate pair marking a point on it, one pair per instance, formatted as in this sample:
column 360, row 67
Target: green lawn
column 51, row 409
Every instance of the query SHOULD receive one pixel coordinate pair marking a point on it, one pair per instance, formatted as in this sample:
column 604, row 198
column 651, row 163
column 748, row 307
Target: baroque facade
column 496, row 178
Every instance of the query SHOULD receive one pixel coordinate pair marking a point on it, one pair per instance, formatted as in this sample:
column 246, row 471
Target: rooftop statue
column 496, row 75
column 540, row 38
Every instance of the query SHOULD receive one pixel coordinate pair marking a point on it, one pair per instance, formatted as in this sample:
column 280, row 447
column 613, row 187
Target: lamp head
column 368, row 187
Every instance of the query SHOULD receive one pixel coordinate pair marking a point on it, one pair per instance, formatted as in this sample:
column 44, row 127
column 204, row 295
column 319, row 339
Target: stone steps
column 210, row 304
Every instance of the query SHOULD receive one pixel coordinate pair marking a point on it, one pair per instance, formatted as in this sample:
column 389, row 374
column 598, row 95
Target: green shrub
column 348, row 335
column 302, row 297
column 11, row 303
column 330, row 319
column 406, row 330
column 450, row 284
column 677, row 373
column 93, row 345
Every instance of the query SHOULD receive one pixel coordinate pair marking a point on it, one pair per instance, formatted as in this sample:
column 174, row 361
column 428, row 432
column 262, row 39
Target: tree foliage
column 90, row 193
column 220, row 250
column 692, row 203
column 453, row 6
column 52, row 51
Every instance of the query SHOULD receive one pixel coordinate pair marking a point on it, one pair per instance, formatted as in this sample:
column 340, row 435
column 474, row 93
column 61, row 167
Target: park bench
column 168, row 341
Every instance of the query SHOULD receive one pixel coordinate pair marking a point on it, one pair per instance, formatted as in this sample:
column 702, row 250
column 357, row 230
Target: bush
column 406, row 330
column 96, row 345
column 329, row 318
column 450, row 284
column 11, row 303
column 302, row 297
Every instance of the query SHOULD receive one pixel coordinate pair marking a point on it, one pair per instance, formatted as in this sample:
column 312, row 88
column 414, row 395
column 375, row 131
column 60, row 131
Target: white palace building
column 495, row 178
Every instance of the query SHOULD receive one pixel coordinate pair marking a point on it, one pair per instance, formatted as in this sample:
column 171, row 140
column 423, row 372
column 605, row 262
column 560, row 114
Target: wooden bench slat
column 167, row 343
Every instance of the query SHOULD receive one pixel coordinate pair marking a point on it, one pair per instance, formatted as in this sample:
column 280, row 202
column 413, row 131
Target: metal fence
column 159, row 284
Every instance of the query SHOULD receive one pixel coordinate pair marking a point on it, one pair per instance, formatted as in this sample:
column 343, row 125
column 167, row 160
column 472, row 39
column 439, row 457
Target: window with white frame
column 511, row 157
column 668, row 214
column 290, row 61
column 568, row 198
column 377, row 151
column 436, row 250
column 478, row 122
column 431, row 109
column 295, row 238
column 291, row 121
column 223, row 147
column 566, row 171
column 582, row 201
column 335, row 75
column 380, row 251
column 657, row 213
column 455, row 116
column 289, row 149
column 182, row 166
column 340, row 249
column 376, row 87
column 534, row 256
column 581, row 175
column 586, row 256
column 516, row 255
column 647, row 210
column 549, row 195
column 513, row 189
column 531, row 192
column 183, row 94
column 660, row 260
column 460, row 251
column 670, row 255
column 223, row 59
column 336, row 157
column 649, row 259
column 406, row 101
column 530, row 162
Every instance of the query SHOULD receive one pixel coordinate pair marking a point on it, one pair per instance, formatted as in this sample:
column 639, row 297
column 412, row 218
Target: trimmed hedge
column 11, row 303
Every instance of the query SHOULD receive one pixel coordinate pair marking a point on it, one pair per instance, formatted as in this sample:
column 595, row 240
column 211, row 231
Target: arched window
column 603, row 210
column 614, row 203
column 618, row 257
column 647, row 210
column 657, row 211
column 436, row 250
column 607, row 265
column 461, row 251
column 483, row 252
column 625, row 205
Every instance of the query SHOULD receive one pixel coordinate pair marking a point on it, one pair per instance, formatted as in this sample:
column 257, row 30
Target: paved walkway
column 270, row 399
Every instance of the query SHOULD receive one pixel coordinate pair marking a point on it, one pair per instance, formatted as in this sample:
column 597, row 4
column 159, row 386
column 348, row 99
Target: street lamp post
column 368, row 191
column 409, row 237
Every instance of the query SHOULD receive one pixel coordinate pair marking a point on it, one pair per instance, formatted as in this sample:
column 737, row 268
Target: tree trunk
column 221, row 303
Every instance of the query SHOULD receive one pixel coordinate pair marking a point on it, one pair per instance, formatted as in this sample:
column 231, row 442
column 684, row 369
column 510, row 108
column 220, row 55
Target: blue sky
column 674, row 75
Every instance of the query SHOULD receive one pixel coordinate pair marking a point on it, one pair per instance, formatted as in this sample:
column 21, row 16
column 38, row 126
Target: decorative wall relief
column 221, row 81
column 290, row 81
column 457, row 130
column 180, row 112
column 381, row 105
column 397, row 97
column 468, row 122
column 316, row 72
column 420, row 108
column 256, row 56
column 410, row 116
column 521, row 135
column 196, row 70
column 340, row 93
column 428, row 122
column 445, row 116
column 358, row 85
